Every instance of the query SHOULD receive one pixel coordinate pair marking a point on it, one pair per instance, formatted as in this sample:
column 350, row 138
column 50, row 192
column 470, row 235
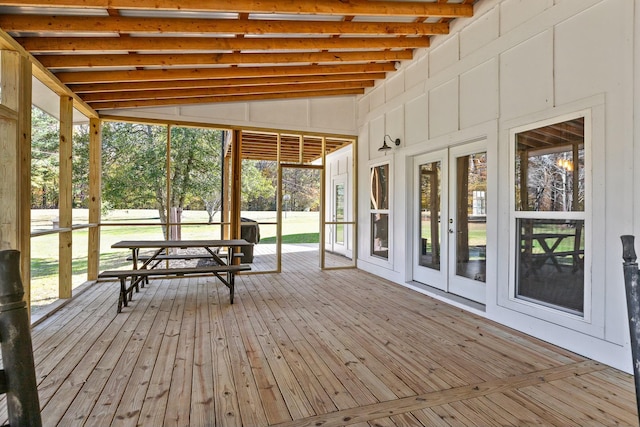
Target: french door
column 450, row 237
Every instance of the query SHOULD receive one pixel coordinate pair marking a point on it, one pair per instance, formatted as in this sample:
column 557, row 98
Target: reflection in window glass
column 471, row 218
column 550, row 265
column 550, row 168
column 430, row 180
column 380, row 233
column 379, row 190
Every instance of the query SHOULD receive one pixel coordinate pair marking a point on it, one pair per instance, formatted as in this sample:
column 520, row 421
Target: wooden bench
column 181, row 257
column 140, row 276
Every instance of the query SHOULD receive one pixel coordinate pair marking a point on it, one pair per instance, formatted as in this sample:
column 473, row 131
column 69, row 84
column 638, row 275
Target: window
column 550, row 215
column 380, row 211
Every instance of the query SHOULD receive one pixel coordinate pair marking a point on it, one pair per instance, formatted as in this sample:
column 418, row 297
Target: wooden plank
column 59, row 345
column 90, row 366
column 588, row 396
column 273, row 405
column 226, row 401
column 202, row 396
column 551, row 417
column 120, row 401
column 443, row 397
column 548, row 396
column 251, row 409
column 155, row 403
column 363, row 383
column 299, row 346
column 523, row 415
column 429, row 418
column 277, row 336
column 179, row 396
column 375, row 304
column 304, row 386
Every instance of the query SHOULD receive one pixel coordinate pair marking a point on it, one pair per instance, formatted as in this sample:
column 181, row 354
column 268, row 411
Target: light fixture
column 386, row 147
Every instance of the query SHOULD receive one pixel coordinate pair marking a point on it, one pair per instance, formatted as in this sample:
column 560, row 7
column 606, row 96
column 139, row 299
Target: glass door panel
column 338, row 214
column 430, row 248
column 468, row 226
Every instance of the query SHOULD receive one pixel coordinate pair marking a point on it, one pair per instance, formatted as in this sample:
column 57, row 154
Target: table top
column 131, row 244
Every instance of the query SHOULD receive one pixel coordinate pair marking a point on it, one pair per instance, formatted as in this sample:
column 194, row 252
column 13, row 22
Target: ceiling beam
column 227, row 98
column 219, row 73
column 323, row 7
column 159, row 44
column 156, row 25
column 46, row 76
column 254, row 81
column 200, row 59
column 219, row 91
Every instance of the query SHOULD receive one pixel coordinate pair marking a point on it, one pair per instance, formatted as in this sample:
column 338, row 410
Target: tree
column 134, row 166
column 45, row 160
column 259, row 182
column 196, row 173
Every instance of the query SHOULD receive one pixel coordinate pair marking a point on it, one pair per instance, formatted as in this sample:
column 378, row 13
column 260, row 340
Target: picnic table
column 220, row 252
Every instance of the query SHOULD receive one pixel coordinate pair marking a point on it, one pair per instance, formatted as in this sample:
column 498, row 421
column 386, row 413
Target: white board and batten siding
column 514, row 64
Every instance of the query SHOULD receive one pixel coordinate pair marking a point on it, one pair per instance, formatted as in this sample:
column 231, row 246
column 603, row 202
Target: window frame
column 526, row 305
column 387, row 211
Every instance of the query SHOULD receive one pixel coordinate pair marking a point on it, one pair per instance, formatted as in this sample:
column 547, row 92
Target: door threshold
column 451, row 299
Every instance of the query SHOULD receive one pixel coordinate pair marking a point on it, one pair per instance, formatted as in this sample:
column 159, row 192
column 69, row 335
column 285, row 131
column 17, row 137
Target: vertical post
column 23, row 404
column 24, row 136
column 323, row 202
column 279, row 206
column 65, row 198
column 630, row 268
column 9, row 160
column 236, row 184
column 95, row 198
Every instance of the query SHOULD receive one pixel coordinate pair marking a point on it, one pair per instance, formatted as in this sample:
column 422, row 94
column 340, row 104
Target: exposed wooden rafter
column 140, row 53
column 325, row 7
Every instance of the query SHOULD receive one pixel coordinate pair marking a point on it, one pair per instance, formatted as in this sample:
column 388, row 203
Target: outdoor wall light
column 386, row 147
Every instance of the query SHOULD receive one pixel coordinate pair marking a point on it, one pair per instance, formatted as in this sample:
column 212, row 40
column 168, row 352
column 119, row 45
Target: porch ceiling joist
column 317, row 48
column 312, row 7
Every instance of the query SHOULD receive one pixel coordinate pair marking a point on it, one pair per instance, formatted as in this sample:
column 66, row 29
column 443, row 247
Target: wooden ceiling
column 116, row 54
column 298, row 149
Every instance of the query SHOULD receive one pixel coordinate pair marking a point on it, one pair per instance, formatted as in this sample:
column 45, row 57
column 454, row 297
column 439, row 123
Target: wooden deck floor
column 307, row 348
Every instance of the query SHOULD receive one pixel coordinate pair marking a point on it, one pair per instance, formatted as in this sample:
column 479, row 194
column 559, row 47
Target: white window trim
column 584, row 323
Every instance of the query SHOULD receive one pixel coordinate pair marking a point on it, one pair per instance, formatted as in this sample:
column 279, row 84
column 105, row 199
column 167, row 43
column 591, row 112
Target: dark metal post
column 23, row 404
column 630, row 267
